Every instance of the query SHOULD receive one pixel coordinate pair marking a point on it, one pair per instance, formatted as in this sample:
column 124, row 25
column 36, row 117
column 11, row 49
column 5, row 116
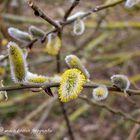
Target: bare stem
column 112, row 110
column 131, row 92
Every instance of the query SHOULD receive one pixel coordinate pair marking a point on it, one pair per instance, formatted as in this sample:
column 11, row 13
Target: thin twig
column 131, row 92
column 64, row 22
column 19, row 135
column 112, row 110
column 94, row 10
column 133, row 133
column 45, row 115
column 102, row 7
column 36, row 111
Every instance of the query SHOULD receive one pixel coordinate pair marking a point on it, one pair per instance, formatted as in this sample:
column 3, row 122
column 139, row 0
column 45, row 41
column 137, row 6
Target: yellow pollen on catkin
column 53, row 45
column 74, row 62
column 71, row 85
column 18, row 63
column 38, row 79
column 100, row 92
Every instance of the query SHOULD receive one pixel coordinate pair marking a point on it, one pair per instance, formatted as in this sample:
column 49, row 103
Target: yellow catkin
column 71, row 85
column 53, row 45
column 74, row 62
column 100, row 93
column 18, row 63
column 38, row 79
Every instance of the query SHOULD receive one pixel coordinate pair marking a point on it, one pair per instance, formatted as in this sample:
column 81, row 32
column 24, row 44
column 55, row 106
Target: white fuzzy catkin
column 120, row 81
column 78, row 27
column 71, row 1
column 19, row 35
column 36, row 32
column 131, row 3
column 76, row 16
column 100, row 93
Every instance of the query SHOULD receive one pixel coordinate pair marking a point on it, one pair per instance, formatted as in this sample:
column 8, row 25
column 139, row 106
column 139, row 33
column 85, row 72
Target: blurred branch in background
column 110, row 109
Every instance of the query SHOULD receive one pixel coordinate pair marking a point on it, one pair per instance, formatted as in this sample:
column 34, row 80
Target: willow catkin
column 18, row 64
column 71, row 85
column 74, row 62
column 36, row 32
column 19, row 35
column 53, row 45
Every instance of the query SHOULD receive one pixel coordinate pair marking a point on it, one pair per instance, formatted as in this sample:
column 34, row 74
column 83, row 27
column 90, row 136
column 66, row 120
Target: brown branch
column 30, row 44
column 16, row 135
column 63, row 23
column 74, row 4
column 133, row 133
column 102, row 7
column 112, row 110
column 46, row 34
column 94, row 10
column 40, row 13
column 131, row 92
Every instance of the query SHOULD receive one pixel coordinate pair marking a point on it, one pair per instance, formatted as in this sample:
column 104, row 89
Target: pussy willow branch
column 62, row 23
column 94, row 10
column 131, row 92
column 112, row 110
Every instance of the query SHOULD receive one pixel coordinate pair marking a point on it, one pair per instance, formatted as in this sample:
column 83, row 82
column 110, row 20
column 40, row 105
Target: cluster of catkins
column 71, row 81
column 54, row 41
column 53, row 44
